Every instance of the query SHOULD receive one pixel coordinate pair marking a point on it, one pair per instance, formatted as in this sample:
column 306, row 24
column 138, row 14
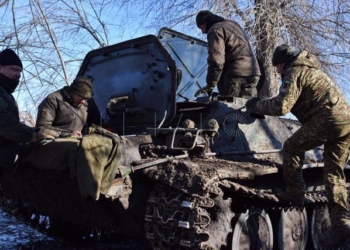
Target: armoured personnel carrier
column 194, row 174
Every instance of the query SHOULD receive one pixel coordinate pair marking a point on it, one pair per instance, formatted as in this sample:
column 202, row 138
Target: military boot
column 339, row 237
column 288, row 199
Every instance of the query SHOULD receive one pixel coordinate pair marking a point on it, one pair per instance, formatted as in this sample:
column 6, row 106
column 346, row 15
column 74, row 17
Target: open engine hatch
column 134, row 84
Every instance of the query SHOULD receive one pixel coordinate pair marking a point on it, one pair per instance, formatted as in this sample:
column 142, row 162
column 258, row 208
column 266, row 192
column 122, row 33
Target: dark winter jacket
column 12, row 131
column 58, row 116
column 228, row 47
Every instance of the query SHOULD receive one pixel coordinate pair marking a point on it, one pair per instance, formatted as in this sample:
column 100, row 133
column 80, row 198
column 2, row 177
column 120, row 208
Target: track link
column 178, row 221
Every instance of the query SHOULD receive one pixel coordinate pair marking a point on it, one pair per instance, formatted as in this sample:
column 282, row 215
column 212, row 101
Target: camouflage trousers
column 238, row 86
column 336, row 140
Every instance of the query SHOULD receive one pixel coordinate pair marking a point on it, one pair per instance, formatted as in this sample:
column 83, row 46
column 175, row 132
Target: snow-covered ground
column 17, row 235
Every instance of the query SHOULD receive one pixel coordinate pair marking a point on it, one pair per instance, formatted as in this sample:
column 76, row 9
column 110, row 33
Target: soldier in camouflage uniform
column 309, row 94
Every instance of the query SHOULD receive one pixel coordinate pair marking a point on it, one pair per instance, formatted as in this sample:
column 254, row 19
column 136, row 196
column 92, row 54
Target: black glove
column 251, row 102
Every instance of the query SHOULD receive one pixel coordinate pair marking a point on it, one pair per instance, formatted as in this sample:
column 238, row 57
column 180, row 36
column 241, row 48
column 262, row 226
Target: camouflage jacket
column 308, row 93
column 12, row 131
column 58, row 117
column 229, row 47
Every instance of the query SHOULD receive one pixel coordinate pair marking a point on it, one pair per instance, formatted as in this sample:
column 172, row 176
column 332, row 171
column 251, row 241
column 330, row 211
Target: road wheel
column 293, row 229
column 253, row 230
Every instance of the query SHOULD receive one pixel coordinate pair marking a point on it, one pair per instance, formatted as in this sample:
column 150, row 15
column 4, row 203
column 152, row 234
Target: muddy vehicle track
column 232, row 212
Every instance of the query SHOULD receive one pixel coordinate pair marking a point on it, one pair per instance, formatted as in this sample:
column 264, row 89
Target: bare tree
column 320, row 26
column 3, row 3
column 53, row 36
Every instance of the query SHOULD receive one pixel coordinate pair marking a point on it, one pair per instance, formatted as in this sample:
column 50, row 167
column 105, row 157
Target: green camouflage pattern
column 319, row 105
column 336, row 140
column 308, row 93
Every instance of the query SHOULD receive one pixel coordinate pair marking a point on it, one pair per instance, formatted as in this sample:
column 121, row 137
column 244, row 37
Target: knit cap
column 9, row 57
column 82, row 86
column 203, row 16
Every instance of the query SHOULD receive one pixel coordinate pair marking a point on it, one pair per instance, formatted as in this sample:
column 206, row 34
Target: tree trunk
column 266, row 43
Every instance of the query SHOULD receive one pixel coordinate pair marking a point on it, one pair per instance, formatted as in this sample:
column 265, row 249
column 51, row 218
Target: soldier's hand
column 205, row 90
column 251, row 102
column 76, row 134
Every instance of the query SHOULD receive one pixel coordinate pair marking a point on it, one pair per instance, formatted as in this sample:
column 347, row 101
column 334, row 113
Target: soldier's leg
column 293, row 157
column 251, row 87
column 58, row 154
column 233, row 86
column 220, row 86
column 336, row 155
column 305, row 138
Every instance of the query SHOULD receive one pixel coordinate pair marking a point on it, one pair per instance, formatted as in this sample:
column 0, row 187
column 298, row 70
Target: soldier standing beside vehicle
column 12, row 131
column 232, row 65
column 324, row 113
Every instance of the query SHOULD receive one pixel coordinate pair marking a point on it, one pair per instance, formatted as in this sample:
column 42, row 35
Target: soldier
column 12, row 131
column 324, row 113
column 63, row 113
column 232, row 65
column 92, row 160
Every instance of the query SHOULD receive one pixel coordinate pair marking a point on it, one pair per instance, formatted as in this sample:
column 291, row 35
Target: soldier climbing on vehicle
column 319, row 105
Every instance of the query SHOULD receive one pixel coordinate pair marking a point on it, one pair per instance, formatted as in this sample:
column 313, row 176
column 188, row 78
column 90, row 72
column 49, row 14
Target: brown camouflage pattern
column 319, row 105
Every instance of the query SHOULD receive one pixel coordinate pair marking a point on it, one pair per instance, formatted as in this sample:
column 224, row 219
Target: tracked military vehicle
column 194, row 173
